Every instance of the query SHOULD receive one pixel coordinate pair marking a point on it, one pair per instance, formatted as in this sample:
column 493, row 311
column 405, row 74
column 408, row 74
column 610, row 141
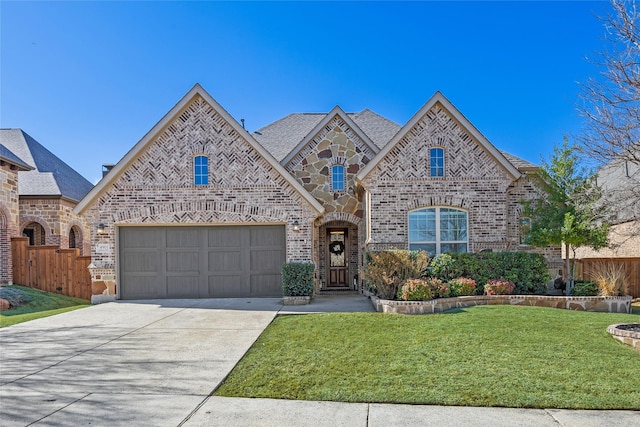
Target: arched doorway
column 35, row 233
column 75, row 238
column 338, row 254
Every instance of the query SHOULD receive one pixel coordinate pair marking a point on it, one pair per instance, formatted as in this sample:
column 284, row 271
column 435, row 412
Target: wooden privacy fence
column 51, row 269
column 585, row 268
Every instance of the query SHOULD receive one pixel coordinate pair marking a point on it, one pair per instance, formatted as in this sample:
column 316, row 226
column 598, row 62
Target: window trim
column 333, row 177
column 437, row 168
column 203, row 174
column 438, row 241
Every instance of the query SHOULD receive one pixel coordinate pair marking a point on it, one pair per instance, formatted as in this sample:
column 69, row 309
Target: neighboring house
column 39, row 192
column 202, row 208
column 620, row 181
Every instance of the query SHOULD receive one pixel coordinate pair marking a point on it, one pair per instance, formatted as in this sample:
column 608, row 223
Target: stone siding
column 9, row 219
column 335, row 144
column 56, row 217
column 157, row 188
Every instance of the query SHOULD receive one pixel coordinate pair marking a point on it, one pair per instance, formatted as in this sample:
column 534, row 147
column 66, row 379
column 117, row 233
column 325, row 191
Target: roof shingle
column 51, row 176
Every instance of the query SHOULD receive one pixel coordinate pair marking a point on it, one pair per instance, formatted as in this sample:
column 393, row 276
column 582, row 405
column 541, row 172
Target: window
column 72, row 238
column 201, row 170
column 438, row 230
column 525, row 229
column 436, row 161
column 337, row 178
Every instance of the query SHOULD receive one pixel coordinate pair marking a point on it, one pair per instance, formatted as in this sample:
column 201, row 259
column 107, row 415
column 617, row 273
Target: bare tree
column 611, row 104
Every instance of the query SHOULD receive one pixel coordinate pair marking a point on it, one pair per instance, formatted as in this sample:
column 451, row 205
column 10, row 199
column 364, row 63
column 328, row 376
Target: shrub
column 423, row 289
column 611, row 279
column 385, row 271
column 529, row 272
column 440, row 266
column 415, row 290
column 583, row 288
column 499, row 287
column 297, row 279
column 462, row 287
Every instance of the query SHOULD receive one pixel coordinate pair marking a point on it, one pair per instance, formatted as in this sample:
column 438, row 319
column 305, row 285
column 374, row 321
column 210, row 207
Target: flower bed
column 599, row 304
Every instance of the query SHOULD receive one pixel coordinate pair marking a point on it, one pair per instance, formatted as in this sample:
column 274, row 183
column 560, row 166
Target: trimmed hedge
column 527, row 271
column 297, row 279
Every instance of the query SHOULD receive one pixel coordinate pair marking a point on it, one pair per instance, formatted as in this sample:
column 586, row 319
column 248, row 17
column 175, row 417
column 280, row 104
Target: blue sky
column 89, row 79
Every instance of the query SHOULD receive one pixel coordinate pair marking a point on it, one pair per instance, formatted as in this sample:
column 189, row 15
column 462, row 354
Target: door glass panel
column 336, row 248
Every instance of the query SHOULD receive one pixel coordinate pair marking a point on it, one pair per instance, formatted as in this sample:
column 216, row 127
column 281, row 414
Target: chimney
column 106, row 168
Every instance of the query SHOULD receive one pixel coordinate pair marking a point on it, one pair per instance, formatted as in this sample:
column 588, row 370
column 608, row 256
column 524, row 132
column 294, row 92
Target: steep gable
column 335, row 119
column 163, row 159
column 336, row 141
column 468, row 154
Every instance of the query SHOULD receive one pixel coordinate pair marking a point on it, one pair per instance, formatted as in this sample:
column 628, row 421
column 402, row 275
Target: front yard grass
column 530, row 357
column 36, row 304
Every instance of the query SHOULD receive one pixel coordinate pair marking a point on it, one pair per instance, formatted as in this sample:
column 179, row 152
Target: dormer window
column 436, row 161
column 337, row 178
column 201, row 170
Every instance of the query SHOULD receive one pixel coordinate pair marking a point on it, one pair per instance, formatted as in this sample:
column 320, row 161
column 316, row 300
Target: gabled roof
column 147, row 139
column 9, row 157
column 282, row 137
column 378, row 128
column 336, row 111
column 438, row 98
column 521, row 164
column 49, row 176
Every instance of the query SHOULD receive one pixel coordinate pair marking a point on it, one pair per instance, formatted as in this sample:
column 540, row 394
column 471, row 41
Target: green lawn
column 35, row 304
column 484, row 356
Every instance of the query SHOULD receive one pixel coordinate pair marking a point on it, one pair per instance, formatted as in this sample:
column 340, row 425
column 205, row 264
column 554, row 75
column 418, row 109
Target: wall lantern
column 296, row 226
column 101, row 228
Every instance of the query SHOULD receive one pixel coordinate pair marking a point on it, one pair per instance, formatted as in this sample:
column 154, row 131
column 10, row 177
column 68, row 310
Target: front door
column 337, row 248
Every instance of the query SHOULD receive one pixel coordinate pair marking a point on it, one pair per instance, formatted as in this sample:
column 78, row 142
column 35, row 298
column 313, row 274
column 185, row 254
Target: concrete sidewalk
column 155, row 363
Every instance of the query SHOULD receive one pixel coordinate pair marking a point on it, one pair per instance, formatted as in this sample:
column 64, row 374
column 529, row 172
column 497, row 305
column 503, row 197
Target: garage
column 201, row 262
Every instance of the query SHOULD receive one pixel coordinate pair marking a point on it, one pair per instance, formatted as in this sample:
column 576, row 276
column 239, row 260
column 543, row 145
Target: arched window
column 337, row 178
column 72, row 238
column 201, row 170
column 436, row 161
column 524, row 229
column 438, row 230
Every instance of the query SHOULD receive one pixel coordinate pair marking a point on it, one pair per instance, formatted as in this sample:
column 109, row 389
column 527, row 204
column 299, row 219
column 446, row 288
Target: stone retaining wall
column 599, row 304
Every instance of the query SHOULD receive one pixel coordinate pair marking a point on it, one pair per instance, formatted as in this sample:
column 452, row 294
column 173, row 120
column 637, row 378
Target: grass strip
column 524, row 357
column 36, row 304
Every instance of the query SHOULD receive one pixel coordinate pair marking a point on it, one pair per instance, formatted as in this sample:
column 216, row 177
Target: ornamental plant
column 386, row 271
column 423, row 289
column 415, row 290
column 297, row 279
column 462, row 286
column 499, row 287
column 440, row 266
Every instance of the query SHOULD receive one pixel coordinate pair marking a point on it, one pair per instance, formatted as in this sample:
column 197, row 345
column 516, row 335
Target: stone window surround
column 337, row 170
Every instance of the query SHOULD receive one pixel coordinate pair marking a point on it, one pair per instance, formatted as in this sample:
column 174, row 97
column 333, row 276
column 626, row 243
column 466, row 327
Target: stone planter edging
column 631, row 338
column 297, row 300
column 599, row 304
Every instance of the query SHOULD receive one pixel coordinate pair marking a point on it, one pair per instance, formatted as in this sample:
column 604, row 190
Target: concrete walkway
column 155, row 363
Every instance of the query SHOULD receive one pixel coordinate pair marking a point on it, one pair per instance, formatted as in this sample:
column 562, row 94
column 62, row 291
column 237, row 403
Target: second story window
column 200, row 170
column 337, row 178
column 436, row 161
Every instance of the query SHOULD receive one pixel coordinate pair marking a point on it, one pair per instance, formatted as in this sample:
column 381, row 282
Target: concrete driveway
column 132, row 363
column 155, row 363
